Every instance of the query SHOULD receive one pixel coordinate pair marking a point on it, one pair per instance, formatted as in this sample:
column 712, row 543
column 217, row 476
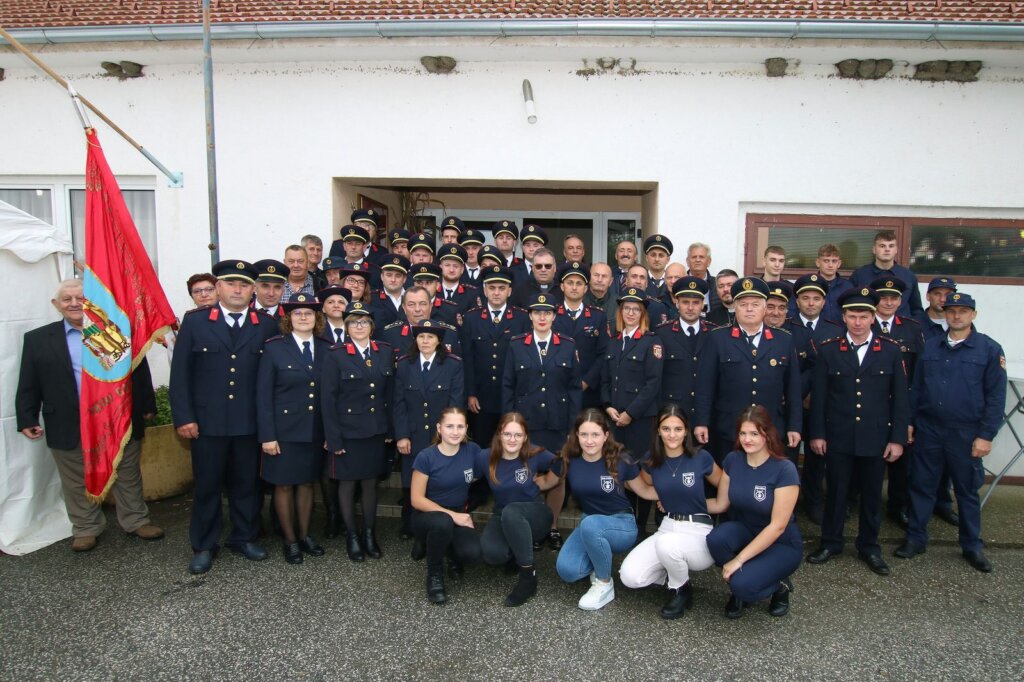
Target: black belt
column 693, row 518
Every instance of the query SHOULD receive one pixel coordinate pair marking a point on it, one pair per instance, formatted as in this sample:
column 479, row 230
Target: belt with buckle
column 693, row 518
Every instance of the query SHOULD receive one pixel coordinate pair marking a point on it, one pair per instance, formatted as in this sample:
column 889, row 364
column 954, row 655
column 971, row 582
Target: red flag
column 125, row 311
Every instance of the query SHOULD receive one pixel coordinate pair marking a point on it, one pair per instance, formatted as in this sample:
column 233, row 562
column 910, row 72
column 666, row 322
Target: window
column 972, row 251
column 141, row 204
column 37, row 202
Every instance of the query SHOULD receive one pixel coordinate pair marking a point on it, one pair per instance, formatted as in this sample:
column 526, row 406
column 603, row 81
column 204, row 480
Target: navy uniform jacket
column 468, row 279
column 418, row 397
column 631, row 379
column 590, row 332
column 859, row 407
column 907, row 334
column 399, row 336
column 721, row 316
column 254, row 305
column 806, row 350
column 546, row 392
column 929, row 327
column 356, row 395
column 731, row 377
column 911, row 303
column 384, row 311
column 288, row 392
column 961, row 387
column 524, row 289
column 831, row 310
column 329, row 336
column 466, row 297
column 213, row 380
column 445, row 311
column 657, row 312
column 679, row 379
column 484, row 346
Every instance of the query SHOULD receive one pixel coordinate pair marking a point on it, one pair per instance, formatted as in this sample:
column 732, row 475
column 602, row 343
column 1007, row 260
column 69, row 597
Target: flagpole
column 211, row 143
column 175, row 178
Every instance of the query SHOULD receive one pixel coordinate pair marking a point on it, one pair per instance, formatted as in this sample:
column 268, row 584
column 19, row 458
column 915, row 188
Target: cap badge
column 301, row 298
column 956, row 297
column 693, row 285
column 814, row 278
column 576, row 266
column 240, row 266
column 889, row 284
column 271, row 269
column 865, row 292
column 747, row 285
column 453, row 250
column 451, row 221
column 542, row 299
column 657, row 237
column 504, row 223
column 370, row 212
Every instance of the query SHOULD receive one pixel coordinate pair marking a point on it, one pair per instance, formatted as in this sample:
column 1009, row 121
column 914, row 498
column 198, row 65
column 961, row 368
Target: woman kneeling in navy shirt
column 761, row 546
column 677, row 468
column 441, row 477
column 518, row 472
column 598, row 471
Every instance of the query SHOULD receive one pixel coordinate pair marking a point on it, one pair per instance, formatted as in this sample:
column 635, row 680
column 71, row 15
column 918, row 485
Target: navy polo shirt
column 680, row 482
column 596, row 491
column 448, row 477
column 752, row 492
column 515, row 479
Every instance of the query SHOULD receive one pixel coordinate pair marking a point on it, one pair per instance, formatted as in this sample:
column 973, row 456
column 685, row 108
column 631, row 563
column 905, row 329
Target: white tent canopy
column 34, row 258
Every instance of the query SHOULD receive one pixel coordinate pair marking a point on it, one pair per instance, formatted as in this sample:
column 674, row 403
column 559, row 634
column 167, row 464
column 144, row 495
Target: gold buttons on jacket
column 231, row 397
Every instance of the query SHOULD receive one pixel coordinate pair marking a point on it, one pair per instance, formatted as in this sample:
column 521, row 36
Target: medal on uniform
column 369, row 362
column 753, row 351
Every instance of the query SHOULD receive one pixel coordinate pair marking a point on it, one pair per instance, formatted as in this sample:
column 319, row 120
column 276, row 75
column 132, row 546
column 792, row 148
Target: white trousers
column 676, row 549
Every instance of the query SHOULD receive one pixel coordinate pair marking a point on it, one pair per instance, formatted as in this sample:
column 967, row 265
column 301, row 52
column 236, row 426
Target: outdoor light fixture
column 531, row 111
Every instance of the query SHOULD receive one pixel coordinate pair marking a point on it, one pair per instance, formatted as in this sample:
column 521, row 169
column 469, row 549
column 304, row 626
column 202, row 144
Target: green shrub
column 163, row 408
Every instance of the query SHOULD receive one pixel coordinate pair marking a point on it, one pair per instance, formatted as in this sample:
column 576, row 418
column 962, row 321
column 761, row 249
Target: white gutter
column 653, row 28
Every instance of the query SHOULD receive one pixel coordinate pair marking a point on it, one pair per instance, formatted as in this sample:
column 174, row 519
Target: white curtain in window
column 141, row 204
column 35, row 202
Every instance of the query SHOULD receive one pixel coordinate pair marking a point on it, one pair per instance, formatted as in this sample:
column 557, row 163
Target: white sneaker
column 598, row 595
column 593, row 578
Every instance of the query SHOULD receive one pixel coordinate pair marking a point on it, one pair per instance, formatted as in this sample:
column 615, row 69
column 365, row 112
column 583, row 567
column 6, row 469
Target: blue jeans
column 590, row 547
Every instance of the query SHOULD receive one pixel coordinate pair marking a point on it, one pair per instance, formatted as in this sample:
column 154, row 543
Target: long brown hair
column 527, row 450
column 451, row 409
column 611, row 452
column 690, row 447
column 762, row 421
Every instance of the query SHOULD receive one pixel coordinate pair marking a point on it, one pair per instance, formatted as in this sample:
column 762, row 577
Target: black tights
column 346, row 499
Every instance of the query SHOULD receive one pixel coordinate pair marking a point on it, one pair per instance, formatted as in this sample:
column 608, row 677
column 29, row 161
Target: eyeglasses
column 543, row 266
column 513, row 436
column 205, row 291
column 359, row 321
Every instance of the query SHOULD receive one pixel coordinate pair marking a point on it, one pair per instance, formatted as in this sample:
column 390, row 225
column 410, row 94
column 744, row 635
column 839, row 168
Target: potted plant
column 166, row 460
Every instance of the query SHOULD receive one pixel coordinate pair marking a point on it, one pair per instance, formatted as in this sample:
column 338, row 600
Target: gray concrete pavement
column 130, row 610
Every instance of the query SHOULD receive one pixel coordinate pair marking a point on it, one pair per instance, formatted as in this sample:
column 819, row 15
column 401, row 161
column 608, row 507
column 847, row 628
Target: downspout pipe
column 652, row 28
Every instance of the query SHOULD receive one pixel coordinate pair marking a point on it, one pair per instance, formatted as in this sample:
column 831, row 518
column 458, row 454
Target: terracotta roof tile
column 64, row 13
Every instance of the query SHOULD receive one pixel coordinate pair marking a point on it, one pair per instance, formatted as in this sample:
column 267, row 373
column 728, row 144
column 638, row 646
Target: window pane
column 802, row 244
column 35, row 202
column 558, row 229
column 619, row 231
column 969, row 250
column 142, row 206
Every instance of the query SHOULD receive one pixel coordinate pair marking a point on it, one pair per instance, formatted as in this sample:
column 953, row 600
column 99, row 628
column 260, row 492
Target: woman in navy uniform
column 677, row 468
column 518, row 472
column 290, row 425
column 356, row 392
column 599, row 473
column 631, row 381
column 440, row 487
column 760, row 546
column 542, row 381
column 427, row 380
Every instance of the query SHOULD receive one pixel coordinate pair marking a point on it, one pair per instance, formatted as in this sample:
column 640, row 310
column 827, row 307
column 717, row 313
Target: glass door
column 618, row 227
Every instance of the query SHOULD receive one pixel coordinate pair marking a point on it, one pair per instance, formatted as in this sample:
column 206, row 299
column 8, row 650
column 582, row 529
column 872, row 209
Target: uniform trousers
column 942, row 448
column 589, row 548
column 512, row 530
column 676, row 549
column 439, row 534
column 87, row 518
column 758, row 578
column 898, row 493
column 482, row 426
column 222, row 463
column 863, row 477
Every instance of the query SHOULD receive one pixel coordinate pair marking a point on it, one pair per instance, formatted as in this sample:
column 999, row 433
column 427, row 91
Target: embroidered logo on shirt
column 468, row 474
column 607, row 484
column 688, row 480
column 522, row 475
column 760, row 493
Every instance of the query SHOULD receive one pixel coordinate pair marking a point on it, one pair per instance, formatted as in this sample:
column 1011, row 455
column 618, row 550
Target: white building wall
column 720, row 141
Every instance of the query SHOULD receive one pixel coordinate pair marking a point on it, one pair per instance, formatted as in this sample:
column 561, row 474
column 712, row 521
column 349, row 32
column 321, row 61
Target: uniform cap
column 235, row 270
column 889, row 285
column 506, row 226
column 960, row 299
column 782, row 290
column 942, row 283
column 452, row 251
column 297, row 301
column 859, row 299
column 334, row 290
column 812, row 282
column 634, row 295
column 575, row 267
column 421, row 241
column 398, row 236
column 426, row 271
column 269, row 270
column 690, row 286
column 395, row 262
column 452, row 223
column 354, row 232
column 367, row 214
column 657, row 241
column 541, row 302
column 489, row 251
column 357, row 308
column 429, row 327
column 471, row 236
column 749, row 286
column 496, row 273
column 534, row 232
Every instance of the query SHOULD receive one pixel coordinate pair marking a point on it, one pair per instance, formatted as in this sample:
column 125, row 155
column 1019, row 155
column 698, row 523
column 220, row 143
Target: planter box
column 166, row 463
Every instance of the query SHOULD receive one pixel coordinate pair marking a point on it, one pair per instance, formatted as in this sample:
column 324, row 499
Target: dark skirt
column 637, row 436
column 364, row 458
column 298, row 463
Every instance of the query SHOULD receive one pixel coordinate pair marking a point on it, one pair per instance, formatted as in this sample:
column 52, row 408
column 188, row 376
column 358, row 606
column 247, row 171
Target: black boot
column 455, row 570
column 679, row 600
column 370, row 544
column 435, row 588
column 779, row 605
column 355, row 550
column 524, row 589
column 734, row 609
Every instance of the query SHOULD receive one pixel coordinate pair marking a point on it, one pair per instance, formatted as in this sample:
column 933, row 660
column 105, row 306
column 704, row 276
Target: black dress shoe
column 909, row 550
column 679, row 600
column 555, row 539
column 822, row 555
column 948, row 515
column 734, row 608
column 352, row 546
column 418, row 550
column 252, row 551
column 900, row 518
column 309, row 546
column 976, row 559
column 435, row 589
column 875, row 563
column 779, row 605
column 292, row 553
column 370, row 544
column 201, row 562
